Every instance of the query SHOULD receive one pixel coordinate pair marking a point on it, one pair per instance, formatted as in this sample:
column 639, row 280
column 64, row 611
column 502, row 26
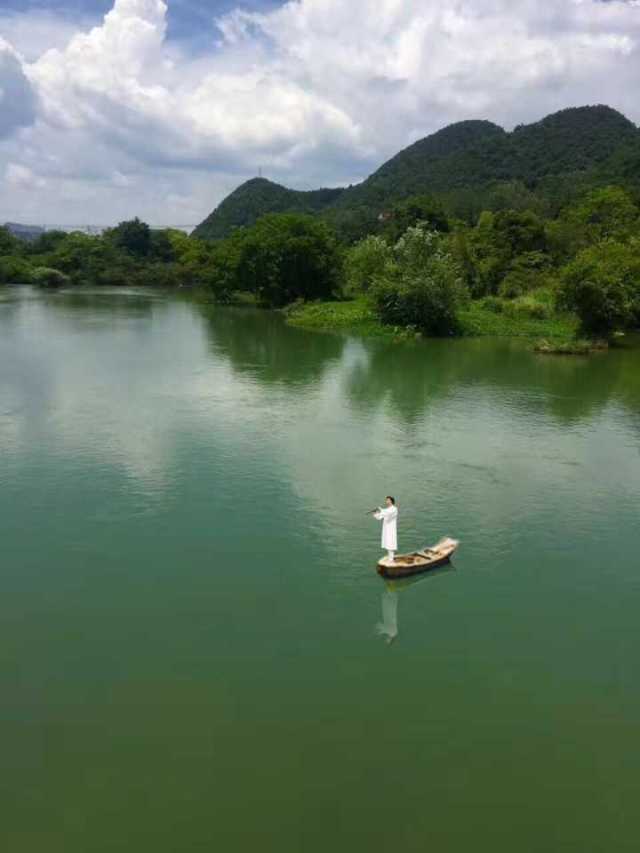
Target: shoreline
column 476, row 321
column 554, row 335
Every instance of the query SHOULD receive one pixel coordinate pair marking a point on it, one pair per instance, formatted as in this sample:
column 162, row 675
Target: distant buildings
column 32, row 232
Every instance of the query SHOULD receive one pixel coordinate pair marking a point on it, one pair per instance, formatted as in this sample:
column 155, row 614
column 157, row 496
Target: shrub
column 527, row 307
column 48, row 277
column 493, row 303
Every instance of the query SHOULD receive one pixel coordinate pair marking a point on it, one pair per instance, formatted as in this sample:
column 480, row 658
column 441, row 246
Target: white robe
column 388, row 517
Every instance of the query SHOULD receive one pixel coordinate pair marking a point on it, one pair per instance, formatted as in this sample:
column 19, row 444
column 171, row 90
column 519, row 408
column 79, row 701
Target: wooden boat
column 405, row 565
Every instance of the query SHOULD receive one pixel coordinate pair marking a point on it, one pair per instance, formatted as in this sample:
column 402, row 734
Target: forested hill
column 256, row 197
column 548, row 160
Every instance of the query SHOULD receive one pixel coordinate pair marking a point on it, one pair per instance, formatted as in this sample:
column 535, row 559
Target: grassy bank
column 476, row 320
column 354, row 316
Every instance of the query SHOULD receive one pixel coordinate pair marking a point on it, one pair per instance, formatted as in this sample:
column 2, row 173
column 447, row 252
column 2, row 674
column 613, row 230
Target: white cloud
column 120, row 121
column 22, row 177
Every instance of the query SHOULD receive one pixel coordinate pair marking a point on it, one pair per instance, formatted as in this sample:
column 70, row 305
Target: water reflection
column 388, row 625
column 411, row 378
column 260, row 343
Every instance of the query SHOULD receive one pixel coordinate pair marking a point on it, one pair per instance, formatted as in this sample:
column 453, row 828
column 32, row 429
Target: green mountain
column 550, row 158
column 256, row 197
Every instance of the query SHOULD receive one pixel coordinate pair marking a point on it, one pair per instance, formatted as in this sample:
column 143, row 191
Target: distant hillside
column 24, row 232
column 256, row 197
column 575, row 145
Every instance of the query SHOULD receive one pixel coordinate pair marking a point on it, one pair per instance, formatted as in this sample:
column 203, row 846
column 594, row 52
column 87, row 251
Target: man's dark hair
column 393, row 500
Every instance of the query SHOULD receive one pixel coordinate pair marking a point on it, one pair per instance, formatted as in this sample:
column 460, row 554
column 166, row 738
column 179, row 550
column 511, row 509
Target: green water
column 189, row 654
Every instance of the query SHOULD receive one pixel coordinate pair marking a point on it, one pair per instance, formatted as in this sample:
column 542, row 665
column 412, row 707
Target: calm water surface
column 193, row 641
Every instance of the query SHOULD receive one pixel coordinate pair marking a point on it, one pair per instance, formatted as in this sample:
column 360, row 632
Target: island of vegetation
column 471, row 231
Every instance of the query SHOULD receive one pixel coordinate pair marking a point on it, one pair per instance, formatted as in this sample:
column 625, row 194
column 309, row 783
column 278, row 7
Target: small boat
column 405, row 565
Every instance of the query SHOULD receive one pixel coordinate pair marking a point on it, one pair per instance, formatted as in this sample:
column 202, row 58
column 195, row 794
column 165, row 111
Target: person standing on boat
column 389, row 516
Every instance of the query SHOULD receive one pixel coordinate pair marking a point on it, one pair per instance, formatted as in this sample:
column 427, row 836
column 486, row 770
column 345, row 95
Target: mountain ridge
column 462, row 156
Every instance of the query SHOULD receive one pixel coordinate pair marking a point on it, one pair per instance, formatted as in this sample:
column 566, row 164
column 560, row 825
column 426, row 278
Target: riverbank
column 477, row 319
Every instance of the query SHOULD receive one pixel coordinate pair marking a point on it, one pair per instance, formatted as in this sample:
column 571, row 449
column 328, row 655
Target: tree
column 417, row 208
column 47, row 242
column 525, row 273
column 133, row 236
column 606, row 212
column 602, row 285
column 498, row 242
column 160, row 246
column 422, row 286
column 284, row 257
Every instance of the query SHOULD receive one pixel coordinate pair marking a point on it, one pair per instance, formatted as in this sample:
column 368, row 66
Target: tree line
column 417, row 268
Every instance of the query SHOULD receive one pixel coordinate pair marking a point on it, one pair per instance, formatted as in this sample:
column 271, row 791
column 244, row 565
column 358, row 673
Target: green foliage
column 526, row 273
column 45, row 243
column 48, row 277
column 516, row 220
column 421, row 286
column 254, row 199
column 418, row 208
column 507, row 246
column 15, row 270
column 479, row 317
column 467, row 167
column 526, row 306
column 283, row 257
column 354, row 315
column 132, row 236
column 363, row 262
column 9, row 245
column 602, row 285
column 160, row 247
column 606, row 212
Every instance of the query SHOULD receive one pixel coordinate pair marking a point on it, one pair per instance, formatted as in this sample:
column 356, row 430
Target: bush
column 526, row 306
column 421, row 287
column 48, row 277
column 602, row 285
column 493, row 303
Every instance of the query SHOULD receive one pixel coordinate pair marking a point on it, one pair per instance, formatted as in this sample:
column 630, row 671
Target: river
column 195, row 648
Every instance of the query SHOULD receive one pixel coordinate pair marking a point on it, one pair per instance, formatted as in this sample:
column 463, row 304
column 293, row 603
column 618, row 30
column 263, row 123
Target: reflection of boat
column 400, row 584
column 405, row 565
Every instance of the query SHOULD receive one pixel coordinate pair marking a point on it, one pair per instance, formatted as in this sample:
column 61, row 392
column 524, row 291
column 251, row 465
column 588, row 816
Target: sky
column 111, row 109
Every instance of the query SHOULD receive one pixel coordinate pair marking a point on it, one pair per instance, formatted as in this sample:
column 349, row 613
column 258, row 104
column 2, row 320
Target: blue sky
column 189, row 20
column 159, row 108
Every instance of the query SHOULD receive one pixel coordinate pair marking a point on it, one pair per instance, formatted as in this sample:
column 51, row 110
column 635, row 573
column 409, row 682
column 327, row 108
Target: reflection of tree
column 108, row 303
column 410, row 378
column 627, row 389
column 262, row 344
column 10, row 305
